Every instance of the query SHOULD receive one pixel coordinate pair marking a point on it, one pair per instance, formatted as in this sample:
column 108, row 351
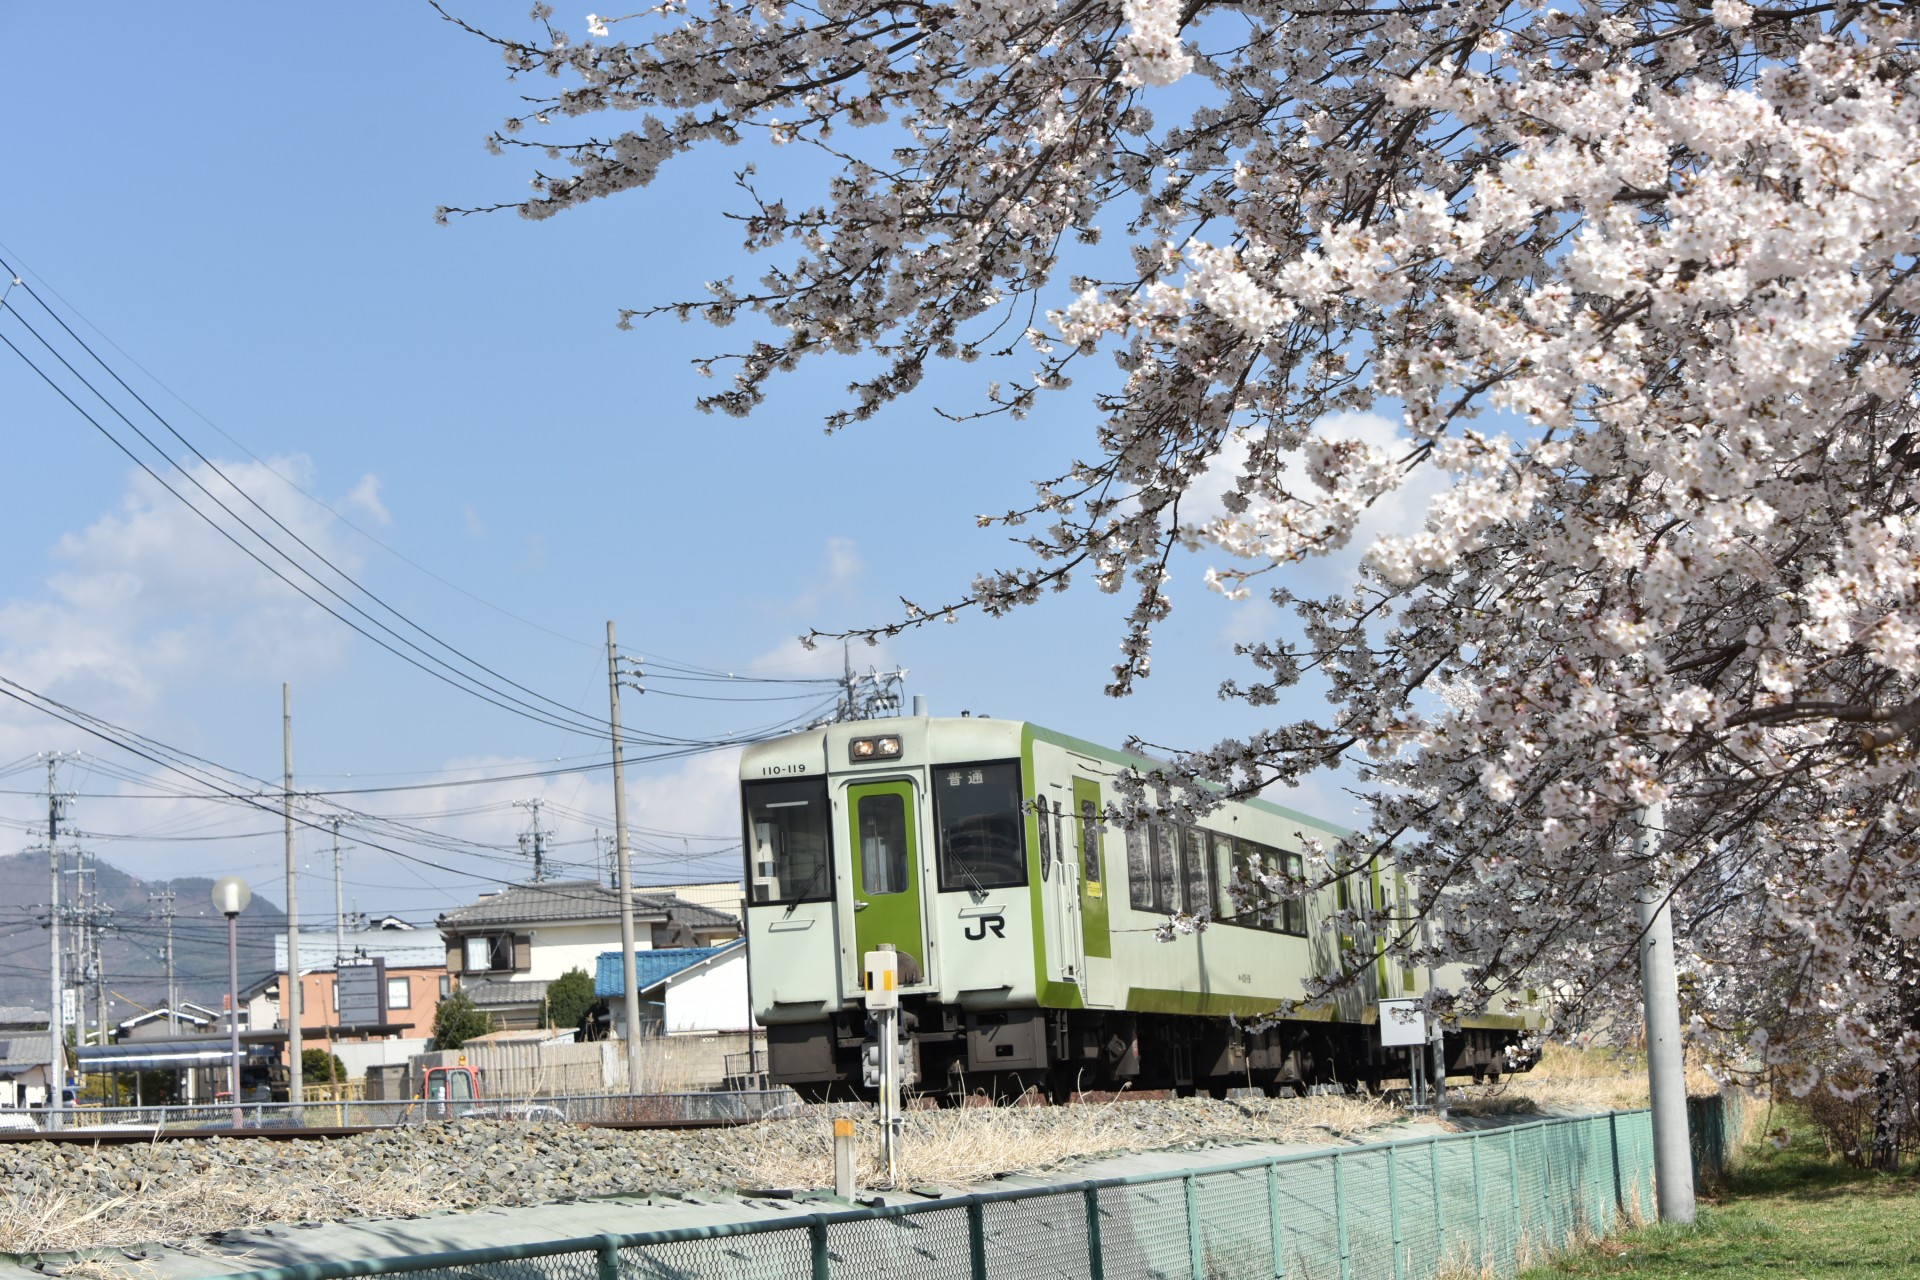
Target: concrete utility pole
column 533, row 842
column 97, row 913
column 56, row 1023
column 164, row 901
column 1666, row 1067
column 629, row 976
column 339, row 907
column 293, row 904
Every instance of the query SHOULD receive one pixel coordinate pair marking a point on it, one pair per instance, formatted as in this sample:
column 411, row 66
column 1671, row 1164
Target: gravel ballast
column 64, row 1197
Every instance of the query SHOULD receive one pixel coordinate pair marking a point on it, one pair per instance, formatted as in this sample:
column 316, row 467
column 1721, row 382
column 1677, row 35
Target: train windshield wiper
column 977, row 890
column 805, row 889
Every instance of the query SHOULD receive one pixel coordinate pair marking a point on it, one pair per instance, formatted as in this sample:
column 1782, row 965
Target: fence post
column 609, row 1254
column 977, row 1238
column 1513, row 1189
column 1613, row 1147
column 1340, row 1217
column 1273, row 1221
column 817, row 1239
column 1194, row 1258
column 1096, row 1261
column 1439, row 1223
column 1479, row 1198
column 1393, row 1210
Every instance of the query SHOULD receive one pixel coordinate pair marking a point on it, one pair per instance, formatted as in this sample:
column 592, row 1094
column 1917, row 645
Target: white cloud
column 366, row 496
column 836, row 581
column 476, row 527
column 150, row 593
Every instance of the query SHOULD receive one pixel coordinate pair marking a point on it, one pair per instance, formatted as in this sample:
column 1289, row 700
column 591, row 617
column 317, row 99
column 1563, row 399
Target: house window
column 399, row 993
column 446, row 986
column 489, row 953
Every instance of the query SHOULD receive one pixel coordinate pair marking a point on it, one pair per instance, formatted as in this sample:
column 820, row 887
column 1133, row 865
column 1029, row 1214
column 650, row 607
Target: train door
column 886, row 870
column 1060, row 873
column 1088, row 845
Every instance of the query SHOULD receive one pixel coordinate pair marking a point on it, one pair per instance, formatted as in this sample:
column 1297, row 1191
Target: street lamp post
column 230, row 897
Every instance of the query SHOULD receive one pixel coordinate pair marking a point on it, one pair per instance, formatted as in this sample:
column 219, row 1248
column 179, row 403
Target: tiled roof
column 552, row 900
column 24, row 1049
column 649, row 967
column 24, row 1016
column 489, row 995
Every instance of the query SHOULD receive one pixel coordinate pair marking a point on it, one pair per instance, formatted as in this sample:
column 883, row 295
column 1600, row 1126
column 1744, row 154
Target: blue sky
column 235, row 208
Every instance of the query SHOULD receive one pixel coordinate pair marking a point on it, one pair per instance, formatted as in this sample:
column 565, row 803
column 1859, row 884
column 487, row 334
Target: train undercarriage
column 955, row 1053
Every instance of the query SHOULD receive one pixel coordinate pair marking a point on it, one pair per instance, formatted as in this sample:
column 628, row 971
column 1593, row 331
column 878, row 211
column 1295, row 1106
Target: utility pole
column 164, row 910
column 56, row 1009
column 882, row 700
column 90, row 917
column 293, row 905
column 1666, row 1067
column 629, row 978
column 533, row 842
column 97, row 914
column 339, row 907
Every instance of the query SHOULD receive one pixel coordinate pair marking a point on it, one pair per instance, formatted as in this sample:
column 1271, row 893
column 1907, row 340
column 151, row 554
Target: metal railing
column 1478, row 1203
column 662, row 1109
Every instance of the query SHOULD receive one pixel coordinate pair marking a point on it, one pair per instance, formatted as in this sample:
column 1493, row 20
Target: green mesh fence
column 1480, row 1202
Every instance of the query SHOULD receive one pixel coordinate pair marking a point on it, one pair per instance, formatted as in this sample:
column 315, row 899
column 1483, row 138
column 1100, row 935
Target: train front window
column 789, row 855
column 978, row 810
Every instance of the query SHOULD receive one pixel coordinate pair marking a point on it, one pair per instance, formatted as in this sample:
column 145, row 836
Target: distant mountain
column 133, row 948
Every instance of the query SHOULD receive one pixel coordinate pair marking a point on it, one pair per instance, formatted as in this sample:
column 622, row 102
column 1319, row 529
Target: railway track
column 128, row 1135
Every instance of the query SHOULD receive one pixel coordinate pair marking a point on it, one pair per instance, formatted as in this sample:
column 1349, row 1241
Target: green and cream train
column 1029, row 932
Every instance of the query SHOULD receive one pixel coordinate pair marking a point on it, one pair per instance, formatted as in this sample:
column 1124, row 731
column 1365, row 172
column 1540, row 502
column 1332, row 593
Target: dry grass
column 972, row 1144
column 1574, row 1080
column 198, row 1205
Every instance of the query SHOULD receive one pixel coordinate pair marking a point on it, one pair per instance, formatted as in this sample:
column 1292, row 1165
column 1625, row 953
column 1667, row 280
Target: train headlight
column 885, row 747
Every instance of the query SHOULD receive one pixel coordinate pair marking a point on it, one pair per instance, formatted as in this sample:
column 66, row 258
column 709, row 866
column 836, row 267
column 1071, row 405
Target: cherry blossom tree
column 1640, row 276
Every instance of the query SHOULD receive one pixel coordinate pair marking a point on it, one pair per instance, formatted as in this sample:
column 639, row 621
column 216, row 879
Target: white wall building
column 507, row 947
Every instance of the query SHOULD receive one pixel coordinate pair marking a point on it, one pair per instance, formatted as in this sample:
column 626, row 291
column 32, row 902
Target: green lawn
column 1785, row 1215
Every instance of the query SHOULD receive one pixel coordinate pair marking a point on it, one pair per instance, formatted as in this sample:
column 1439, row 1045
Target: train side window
column 1165, row 841
column 1139, row 870
column 1089, row 842
column 883, row 844
column 1263, row 906
column 1193, row 849
column 1224, row 869
column 1294, row 914
column 1041, row 825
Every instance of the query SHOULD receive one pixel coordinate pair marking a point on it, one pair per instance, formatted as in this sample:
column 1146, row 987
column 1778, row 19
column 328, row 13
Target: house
column 507, row 947
column 25, row 1047
column 396, row 979
column 728, row 897
column 683, row 991
column 157, row 1024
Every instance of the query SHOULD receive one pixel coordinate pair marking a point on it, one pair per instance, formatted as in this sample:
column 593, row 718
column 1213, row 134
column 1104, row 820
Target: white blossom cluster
column 1671, row 244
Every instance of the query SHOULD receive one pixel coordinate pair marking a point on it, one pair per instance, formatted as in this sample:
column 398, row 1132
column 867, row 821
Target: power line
column 585, row 723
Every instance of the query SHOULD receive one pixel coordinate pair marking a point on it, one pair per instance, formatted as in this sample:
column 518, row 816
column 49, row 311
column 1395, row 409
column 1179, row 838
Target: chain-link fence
column 1468, row 1203
column 662, row 1109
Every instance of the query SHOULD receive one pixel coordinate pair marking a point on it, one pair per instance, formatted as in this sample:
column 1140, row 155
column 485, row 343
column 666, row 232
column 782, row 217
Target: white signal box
column 880, row 978
column 1403, row 1023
